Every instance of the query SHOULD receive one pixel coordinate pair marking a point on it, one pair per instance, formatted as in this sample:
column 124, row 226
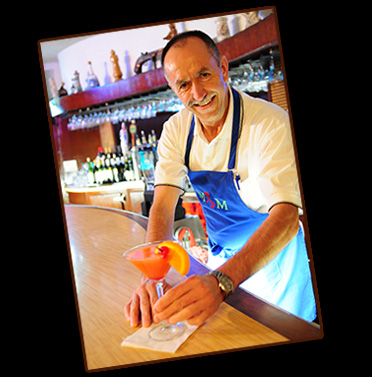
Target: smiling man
column 199, row 80
column 238, row 154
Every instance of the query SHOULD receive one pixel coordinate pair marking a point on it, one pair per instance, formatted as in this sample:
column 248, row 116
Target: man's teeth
column 206, row 102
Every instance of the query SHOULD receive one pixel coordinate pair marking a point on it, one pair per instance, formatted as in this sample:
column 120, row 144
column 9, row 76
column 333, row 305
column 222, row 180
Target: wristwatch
column 224, row 282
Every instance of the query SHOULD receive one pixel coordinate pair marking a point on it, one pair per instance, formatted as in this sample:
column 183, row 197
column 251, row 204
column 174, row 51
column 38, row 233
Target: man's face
column 194, row 75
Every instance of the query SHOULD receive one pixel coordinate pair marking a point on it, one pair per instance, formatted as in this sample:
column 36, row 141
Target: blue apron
column 286, row 280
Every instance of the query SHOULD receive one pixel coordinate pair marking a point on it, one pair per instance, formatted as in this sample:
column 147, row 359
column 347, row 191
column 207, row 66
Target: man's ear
column 225, row 68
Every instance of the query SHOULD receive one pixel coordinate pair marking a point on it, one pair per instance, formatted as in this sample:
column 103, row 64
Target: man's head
column 180, row 39
column 198, row 74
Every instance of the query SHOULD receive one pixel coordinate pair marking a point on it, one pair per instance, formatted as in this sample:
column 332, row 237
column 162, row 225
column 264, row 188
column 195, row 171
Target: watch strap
column 224, row 282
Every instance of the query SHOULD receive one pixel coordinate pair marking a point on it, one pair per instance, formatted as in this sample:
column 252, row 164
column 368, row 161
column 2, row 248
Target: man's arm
column 161, row 219
column 198, row 297
column 264, row 245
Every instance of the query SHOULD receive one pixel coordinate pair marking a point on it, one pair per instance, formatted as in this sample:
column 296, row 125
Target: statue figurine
column 62, row 91
column 251, row 18
column 92, row 79
column 223, row 31
column 76, row 86
column 115, row 66
column 53, row 87
column 172, row 33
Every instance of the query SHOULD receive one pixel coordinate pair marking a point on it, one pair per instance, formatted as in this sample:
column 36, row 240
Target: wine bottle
column 143, row 138
column 114, row 167
column 109, row 172
column 91, row 178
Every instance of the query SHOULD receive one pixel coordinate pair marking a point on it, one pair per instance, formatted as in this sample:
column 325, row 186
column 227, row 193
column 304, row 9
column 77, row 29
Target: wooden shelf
column 241, row 46
column 145, row 82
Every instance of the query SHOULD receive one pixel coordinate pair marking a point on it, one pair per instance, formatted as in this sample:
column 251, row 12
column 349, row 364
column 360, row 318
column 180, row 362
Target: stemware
column 153, row 260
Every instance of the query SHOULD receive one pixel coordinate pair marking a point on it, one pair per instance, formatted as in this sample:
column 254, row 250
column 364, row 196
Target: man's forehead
column 187, row 60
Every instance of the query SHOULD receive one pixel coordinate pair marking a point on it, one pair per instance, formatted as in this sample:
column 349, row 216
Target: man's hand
column 139, row 307
column 195, row 300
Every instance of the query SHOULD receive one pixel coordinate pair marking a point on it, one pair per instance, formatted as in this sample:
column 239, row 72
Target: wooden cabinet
column 123, row 195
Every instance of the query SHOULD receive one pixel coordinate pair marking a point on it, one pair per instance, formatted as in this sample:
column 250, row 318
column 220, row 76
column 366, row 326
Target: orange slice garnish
column 179, row 259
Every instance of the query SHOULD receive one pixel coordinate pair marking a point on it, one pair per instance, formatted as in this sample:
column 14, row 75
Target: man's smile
column 205, row 102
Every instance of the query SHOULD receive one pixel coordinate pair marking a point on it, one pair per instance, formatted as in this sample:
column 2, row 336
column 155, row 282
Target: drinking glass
column 151, row 260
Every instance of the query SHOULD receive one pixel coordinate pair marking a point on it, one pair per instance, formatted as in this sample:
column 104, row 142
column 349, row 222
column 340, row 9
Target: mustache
column 207, row 98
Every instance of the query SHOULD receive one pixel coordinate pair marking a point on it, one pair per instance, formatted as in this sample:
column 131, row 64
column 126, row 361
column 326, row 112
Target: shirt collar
column 226, row 129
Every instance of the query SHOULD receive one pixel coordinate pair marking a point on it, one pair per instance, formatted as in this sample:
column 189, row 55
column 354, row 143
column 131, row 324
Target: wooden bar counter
column 104, row 282
column 106, row 195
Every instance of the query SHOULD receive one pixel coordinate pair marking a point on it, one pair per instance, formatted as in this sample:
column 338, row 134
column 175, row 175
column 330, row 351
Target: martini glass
column 153, row 260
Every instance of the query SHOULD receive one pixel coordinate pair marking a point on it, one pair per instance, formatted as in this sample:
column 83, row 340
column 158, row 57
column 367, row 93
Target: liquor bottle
column 143, row 138
column 91, row 177
column 123, row 139
column 104, row 172
column 135, row 165
column 103, row 169
column 120, row 165
column 138, row 141
column 92, row 79
column 109, row 172
column 124, row 164
column 114, row 167
column 98, row 172
column 273, row 73
column 153, row 135
column 127, row 174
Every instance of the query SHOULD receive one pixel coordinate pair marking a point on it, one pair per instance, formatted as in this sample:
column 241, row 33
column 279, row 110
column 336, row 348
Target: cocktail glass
column 153, row 260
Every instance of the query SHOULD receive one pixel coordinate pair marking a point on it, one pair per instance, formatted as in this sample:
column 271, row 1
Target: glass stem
column 159, row 288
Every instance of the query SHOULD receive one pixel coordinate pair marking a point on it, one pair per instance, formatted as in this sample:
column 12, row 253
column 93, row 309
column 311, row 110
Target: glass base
column 165, row 332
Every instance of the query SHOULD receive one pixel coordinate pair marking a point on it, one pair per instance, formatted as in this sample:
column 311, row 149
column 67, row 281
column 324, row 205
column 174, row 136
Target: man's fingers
column 127, row 310
column 183, row 305
column 134, row 311
column 198, row 296
column 173, row 294
column 139, row 308
column 145, row 306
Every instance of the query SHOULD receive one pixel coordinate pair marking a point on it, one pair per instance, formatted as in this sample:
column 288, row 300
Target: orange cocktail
column 153, row 262
column 154, row 259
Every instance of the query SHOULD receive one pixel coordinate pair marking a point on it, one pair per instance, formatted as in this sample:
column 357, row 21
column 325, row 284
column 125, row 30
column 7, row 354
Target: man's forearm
column 160, row 225
column 263, row 246
column 161, row 219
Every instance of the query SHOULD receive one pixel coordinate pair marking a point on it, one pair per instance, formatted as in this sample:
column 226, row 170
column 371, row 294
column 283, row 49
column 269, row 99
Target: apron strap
column 234, row 134
column 189, row 142
column 235, row 129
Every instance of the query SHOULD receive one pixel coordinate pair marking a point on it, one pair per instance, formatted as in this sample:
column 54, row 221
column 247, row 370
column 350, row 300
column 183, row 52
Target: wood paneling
column 75, row 145
column 278, row 94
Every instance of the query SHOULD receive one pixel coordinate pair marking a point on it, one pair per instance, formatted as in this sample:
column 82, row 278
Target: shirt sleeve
column 278, row 178
column 170, row 168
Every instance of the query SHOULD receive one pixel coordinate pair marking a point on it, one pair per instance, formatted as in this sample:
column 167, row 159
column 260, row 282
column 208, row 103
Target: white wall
column 128, row 45
column 52, row 70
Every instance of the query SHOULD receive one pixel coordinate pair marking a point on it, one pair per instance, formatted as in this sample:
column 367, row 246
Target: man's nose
column 198, row 92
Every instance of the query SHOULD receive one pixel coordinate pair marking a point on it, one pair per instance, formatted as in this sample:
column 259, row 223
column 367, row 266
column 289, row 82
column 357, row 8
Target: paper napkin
column 141, row 339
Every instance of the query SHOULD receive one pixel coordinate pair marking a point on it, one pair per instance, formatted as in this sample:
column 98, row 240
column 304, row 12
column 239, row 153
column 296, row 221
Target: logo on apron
column 205, row 197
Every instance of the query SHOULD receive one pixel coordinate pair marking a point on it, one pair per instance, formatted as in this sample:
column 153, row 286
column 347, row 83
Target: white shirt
column 265, row 156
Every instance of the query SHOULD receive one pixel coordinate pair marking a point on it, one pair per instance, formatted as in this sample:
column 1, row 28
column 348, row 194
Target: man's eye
column 184, row 85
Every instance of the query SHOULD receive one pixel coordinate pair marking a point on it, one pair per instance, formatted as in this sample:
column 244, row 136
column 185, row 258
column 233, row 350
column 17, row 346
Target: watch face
column 227, row 283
